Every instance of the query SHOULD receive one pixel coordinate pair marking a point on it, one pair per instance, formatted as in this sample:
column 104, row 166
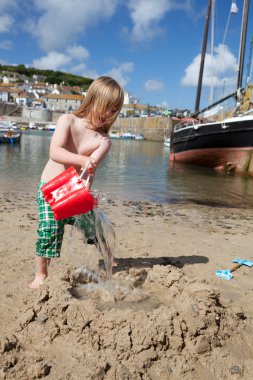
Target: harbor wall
column 10, row 109
column 152, row 128
column 37, row 114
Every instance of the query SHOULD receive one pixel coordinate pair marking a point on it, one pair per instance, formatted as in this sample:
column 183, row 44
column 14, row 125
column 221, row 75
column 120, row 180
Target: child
column 78, row 138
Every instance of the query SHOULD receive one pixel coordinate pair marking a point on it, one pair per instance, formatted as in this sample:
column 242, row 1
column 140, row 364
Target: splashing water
column 93, row 233
column 92, row 246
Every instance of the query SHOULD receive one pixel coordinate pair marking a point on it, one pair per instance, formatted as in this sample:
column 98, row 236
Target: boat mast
column 202, row 62
column 249, row 66
column 212, row 52
column 242, row 42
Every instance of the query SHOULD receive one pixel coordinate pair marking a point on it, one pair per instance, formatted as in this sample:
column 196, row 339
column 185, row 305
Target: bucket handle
column 84, row 171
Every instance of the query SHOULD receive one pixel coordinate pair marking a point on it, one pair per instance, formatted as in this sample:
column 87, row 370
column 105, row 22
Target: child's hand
column 92, row 167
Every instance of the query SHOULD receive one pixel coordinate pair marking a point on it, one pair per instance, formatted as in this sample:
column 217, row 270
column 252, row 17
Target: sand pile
column 159, row 324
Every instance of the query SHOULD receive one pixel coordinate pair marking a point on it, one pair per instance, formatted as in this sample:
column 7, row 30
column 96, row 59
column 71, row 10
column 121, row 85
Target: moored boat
column 127, row 136
column 225, row 145
column 10, row 138
column 139, row 136
column 10, row 133
column 114, row 135
column 50, row 127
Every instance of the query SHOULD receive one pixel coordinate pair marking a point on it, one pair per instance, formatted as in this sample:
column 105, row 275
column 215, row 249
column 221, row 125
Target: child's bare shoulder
column 66, row 118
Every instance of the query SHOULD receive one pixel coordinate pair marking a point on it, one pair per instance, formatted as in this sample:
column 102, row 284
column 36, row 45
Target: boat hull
column 226, row 146
column 237, row 160
column 14, row 139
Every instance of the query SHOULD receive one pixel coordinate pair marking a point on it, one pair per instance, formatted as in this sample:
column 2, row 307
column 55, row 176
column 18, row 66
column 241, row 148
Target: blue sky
column 152, row 47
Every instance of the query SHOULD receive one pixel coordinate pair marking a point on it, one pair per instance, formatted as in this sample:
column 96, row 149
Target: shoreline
column 31, row 195
column 169, row 253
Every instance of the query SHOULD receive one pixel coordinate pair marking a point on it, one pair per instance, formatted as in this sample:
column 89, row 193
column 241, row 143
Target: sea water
column 132, row 171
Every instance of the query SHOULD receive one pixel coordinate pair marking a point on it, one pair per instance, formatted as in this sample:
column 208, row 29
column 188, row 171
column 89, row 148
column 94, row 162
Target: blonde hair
column 104, row 94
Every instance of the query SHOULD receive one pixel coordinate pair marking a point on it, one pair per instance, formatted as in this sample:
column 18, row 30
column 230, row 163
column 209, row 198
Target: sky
column 151, row 47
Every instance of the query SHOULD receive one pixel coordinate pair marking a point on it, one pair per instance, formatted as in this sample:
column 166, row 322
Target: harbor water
column 132, row 171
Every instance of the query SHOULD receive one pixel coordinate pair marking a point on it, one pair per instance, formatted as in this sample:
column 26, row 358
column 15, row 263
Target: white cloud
column 153, row 85
column 63, row 20
column 78, row 52
column 6, row 22
column 6, row 19
column 146, row 15
column 53, row 61
column 120, row 73
column 222, row 67
column 89, row 74
column 77, row 69
column 5, row 4
column 81, row 69
column 59, row 61
column 5, row 44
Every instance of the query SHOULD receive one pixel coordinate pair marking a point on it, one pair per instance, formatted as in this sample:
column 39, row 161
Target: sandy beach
column 177, row 320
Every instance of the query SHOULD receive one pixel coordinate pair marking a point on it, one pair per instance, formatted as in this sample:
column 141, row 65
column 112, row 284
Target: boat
column 10, row 138
column 127, row 136
column 225, row 145
column 6, row 125
column 139, row 137
column 166, row 142
column 50, row 127
column 10, row 133
column 32, row 125
column 114, row 135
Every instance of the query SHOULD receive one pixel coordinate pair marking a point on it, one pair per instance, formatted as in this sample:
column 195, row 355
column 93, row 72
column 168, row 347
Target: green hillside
column 51, row 76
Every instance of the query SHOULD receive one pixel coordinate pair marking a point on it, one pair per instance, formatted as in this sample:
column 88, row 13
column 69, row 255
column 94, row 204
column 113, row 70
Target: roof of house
column 63, row 96
column 7, row 84
column 23, row 95
column 38, row 101
column 39, row 84
column 11, row 90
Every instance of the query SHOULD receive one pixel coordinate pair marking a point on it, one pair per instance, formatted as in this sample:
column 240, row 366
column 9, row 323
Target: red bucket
column 67, row 195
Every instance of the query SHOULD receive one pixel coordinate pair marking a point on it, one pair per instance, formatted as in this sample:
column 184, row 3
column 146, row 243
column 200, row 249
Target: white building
column 130, row 99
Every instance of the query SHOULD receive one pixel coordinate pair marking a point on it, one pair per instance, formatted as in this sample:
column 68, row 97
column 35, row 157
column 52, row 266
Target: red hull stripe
column 241, row 159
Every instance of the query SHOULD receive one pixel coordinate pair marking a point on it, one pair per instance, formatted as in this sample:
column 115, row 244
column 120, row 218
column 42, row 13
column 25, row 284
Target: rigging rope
column 233, row 10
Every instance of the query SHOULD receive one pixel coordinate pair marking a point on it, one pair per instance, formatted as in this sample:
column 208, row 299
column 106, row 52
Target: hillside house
column 62, row 102
column 5, row 94
column 39, row 89
column 9, row 94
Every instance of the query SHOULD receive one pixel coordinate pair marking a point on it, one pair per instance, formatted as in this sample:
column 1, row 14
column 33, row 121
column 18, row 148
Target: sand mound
column 162, row 326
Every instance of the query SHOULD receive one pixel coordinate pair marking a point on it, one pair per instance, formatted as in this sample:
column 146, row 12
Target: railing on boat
column 187, row 123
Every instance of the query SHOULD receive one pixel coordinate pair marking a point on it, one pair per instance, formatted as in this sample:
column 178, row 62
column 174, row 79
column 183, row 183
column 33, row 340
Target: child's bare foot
column 41, row 271
column 38, row 281
column 114, row 263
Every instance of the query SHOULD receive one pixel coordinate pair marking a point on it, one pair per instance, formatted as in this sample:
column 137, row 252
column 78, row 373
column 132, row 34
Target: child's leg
column 41, row 271
column 50, row 236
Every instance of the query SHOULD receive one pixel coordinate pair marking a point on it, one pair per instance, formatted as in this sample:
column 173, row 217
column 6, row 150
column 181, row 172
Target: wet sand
column 179, row 321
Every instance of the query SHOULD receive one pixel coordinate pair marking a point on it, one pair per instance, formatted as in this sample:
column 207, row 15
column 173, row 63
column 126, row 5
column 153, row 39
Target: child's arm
column 98, row 155
column 57, row 151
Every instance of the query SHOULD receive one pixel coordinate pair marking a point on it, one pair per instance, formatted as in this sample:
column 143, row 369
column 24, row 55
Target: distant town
column 29, row 88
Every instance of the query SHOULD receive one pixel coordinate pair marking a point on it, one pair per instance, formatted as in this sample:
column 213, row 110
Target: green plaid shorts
column 51, row 231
